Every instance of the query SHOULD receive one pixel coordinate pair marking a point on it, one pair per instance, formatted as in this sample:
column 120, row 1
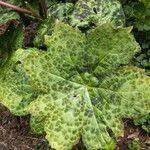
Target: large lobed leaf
column 83, row 14
column 88, row 13
column 77, row 89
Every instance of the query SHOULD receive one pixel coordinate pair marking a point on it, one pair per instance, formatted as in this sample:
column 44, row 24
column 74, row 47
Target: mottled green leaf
column 97, row 12
column 8, row 16
column 46, row 27
column 81, row 14
column 55, row 11
column 15, row 88
column 88, row 13
column 97, row 54
column 10, row 41
column 64, row 94
column 60, row 10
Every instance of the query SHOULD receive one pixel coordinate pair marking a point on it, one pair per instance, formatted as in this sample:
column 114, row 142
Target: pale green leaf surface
column 97, row 53
column 16, row 91
column 64, row 94
column 84, row 13
column 97, row 12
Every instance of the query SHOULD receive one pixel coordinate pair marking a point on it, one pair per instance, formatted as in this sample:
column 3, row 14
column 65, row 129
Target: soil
column 131, row 133
column 30, row 30
column 15, row 134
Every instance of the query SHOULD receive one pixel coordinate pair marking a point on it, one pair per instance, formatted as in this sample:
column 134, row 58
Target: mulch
column 15, row 134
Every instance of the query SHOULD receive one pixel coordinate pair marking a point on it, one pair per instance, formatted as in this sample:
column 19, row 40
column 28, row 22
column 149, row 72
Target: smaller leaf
column 146, row 3
column 11, row 40
column 97, row 12
column 7, row 15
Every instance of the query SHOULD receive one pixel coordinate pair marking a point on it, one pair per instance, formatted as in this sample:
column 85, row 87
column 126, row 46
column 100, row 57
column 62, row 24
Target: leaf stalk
column 23, row 10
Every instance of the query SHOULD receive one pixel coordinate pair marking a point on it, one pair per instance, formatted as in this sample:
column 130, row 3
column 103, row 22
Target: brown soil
column 132, row 132
column 30, row 30
column 15, row 134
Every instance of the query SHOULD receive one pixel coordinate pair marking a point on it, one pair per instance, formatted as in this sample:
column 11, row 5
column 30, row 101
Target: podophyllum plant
column 84, row 84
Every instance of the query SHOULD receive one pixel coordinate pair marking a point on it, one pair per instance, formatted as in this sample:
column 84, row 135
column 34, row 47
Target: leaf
column 67, row 100
column 46, row 27
column 104, row 45
column 138, row 14
column 97, row 12
column 10, row 41
column 82, row 14
column 16, row 91
column 56, row 11
column 144, row 122
column 89, row 13
column 60, row 10
column 7, row 14
column 134, row 145
column 146, row 3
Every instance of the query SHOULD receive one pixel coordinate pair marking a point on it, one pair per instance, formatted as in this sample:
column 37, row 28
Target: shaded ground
column 30, row 30
column 15, row 134
column 133, row 133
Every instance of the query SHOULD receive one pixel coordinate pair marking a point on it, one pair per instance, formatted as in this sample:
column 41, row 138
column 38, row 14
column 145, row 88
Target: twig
column 15, row 8
column 23, row 10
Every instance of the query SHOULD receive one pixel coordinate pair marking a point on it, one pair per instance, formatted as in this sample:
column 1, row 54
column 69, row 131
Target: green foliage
column 134, row 145
column 146, row 3
column 143, row 60
column 11, row 40
column 94, row 12
column 138, row 15
column 144, row 122
column 85, row 13
column 84, row 84
column 8, row 15
column 46, row 27
column 76, row 89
